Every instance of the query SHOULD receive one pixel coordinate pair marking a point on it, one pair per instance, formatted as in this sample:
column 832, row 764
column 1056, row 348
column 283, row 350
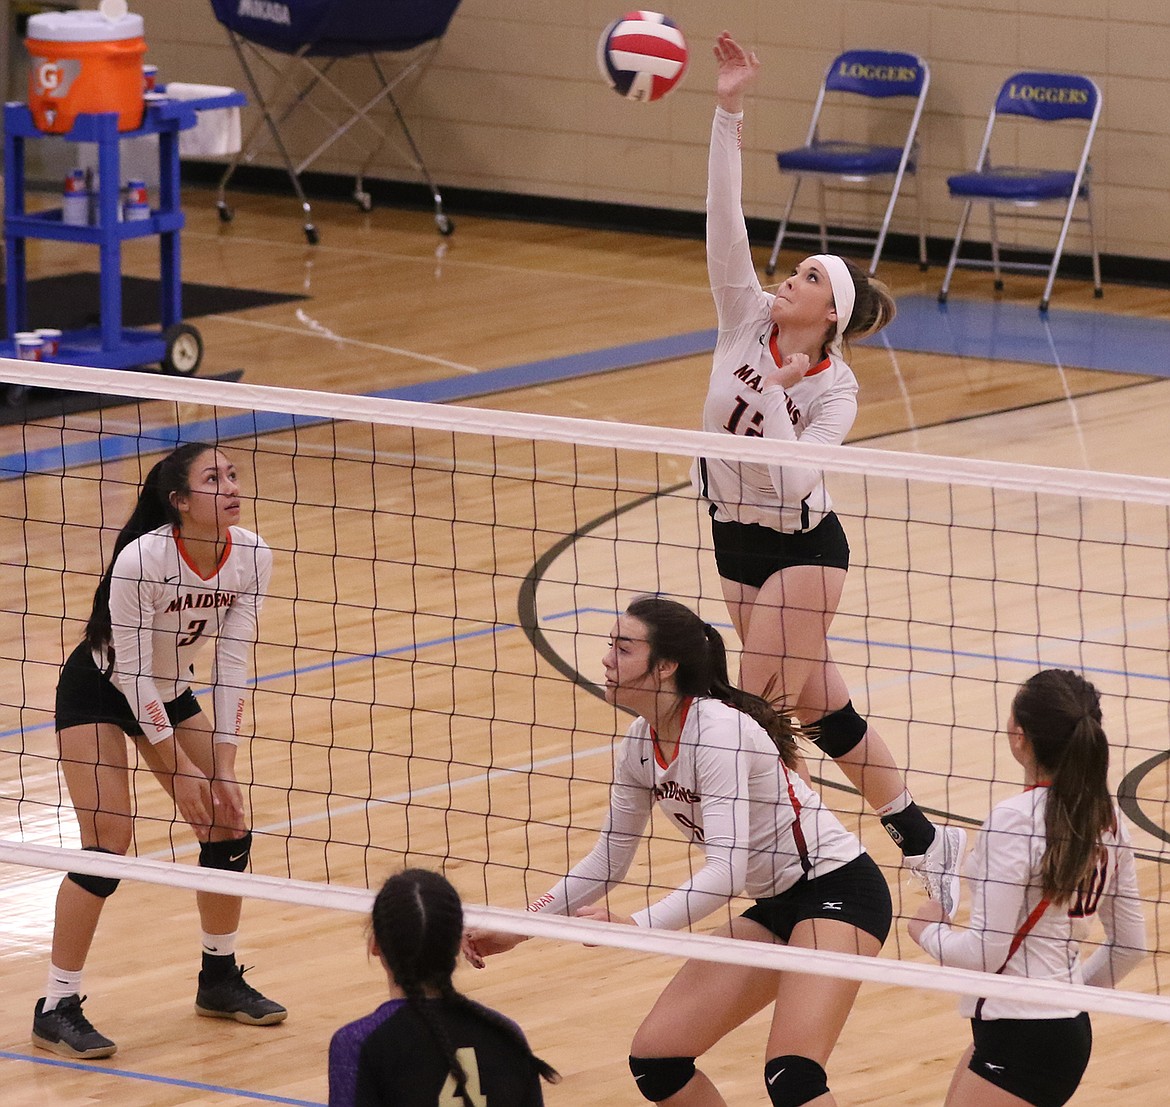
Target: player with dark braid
column 429, row 1044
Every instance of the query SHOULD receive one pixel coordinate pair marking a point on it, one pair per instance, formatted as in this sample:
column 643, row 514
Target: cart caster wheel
column 942, row 297
column 363, row 200
column 226, row 215
column 184, row 350
column 311, row 235
column 446, row 227
column 769, row 270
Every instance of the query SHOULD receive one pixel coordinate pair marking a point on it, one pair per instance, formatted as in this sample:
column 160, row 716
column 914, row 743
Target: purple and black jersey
column 390, row 1058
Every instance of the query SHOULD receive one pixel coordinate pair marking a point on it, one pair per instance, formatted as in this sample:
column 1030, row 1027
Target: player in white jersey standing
column 719, row 763
column 779, row 372
column 182, row 574
column 1044, row 865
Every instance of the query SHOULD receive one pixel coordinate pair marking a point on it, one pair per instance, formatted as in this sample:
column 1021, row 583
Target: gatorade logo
column 55, row 78
column 268, row 10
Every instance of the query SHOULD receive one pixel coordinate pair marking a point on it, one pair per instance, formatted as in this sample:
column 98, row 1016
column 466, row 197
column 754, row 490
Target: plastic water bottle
column 75, row 200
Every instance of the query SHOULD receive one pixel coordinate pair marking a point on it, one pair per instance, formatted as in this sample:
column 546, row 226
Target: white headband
column 844, row 294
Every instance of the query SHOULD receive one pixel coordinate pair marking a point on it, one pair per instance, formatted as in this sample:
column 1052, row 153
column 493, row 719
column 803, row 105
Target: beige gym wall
column 513, row 101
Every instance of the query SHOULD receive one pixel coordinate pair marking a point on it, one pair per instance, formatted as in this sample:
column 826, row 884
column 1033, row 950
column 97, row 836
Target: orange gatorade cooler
column 83, row 62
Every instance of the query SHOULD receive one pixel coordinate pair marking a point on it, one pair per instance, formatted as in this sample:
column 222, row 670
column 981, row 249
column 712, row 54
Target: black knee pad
column 792, row 1080
column 659, row 1078
column 840, row 731
column 101, row 886
column 231, row 855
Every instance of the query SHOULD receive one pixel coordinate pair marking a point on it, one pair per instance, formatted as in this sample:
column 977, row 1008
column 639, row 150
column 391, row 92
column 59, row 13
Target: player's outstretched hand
column 479, row 944
column 737, row 70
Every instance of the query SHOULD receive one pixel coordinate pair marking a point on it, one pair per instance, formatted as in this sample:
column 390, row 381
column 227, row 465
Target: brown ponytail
column 1059, row 712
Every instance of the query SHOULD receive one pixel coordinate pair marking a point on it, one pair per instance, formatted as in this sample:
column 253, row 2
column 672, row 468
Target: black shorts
column 87, row 695
column 856, row 893
column 1039, row 1060
column 748, row 553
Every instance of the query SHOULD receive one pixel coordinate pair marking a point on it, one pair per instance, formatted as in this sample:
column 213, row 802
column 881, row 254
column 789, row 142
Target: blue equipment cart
column 177, row 347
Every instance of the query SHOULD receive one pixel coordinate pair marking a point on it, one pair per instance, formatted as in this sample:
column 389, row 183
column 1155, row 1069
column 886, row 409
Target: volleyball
column 643, row 55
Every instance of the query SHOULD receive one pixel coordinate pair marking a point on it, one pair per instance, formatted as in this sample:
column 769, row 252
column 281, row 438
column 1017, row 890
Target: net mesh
column 445, row 583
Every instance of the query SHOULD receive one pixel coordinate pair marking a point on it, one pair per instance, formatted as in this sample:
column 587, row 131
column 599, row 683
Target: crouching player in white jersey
column 1045, row 863
column 719, row 763
column 182, row 574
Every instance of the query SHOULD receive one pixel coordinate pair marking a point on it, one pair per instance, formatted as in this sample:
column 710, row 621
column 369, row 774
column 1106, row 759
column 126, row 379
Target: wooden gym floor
column 388, row 304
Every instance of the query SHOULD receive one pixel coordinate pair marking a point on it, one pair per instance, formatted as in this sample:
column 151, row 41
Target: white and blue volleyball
column 643, row 55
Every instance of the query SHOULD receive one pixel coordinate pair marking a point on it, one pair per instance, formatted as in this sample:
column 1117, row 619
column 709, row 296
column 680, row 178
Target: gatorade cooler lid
column 83, row 26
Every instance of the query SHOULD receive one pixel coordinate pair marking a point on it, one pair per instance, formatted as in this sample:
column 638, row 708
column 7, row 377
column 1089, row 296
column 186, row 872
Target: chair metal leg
column 946, row 285
column 885, row 227
column 824, row 218
column 1068, row 215
column 923, row 261
column 994, row 246
column 780, row 231
column 1098, row 291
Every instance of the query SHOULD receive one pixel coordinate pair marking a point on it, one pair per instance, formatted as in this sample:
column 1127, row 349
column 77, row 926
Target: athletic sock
column 61, row 984
column 219, row 956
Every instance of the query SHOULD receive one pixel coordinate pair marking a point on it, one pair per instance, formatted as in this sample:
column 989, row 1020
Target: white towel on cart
column 217, row 132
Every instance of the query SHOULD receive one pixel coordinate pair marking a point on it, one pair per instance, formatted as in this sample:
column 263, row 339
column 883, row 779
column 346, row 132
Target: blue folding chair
column 852, row 79
column 315, row 35
column 1031, row 98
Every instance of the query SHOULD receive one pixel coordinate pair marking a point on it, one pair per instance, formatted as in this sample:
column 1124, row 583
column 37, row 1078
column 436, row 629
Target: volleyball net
column 427, row 676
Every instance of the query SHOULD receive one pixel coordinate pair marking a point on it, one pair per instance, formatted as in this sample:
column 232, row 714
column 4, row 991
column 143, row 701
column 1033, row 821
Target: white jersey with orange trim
column 819, row 408
column 163, row 612
column 760, row 827
column 1013, row 929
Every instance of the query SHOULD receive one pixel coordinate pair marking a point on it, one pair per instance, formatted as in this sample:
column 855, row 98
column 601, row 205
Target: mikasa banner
column 266, row 10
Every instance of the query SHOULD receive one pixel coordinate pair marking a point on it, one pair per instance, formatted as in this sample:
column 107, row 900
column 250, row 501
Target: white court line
column 313, row 329
column 490, row 267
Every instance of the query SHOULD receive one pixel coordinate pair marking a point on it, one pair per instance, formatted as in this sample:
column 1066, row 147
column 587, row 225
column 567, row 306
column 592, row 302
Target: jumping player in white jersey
column 719, row 763
column 779, row 372
column 1045, row 863
column 182, row 574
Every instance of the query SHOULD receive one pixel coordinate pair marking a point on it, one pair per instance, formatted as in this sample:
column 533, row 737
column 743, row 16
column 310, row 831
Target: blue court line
column 960, row 328
column 1015, row 332
column 333, row 663
column 255, row 424
column 556, row 369
column 169, row 1081
column 414, row 647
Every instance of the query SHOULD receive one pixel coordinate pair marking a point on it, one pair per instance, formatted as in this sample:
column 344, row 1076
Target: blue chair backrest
column 1048, row 96
column 877, row 73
